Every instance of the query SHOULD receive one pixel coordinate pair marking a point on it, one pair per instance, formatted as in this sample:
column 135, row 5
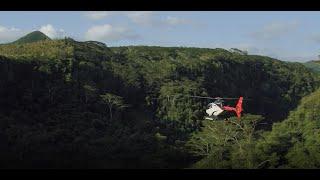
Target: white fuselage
column 214, row 110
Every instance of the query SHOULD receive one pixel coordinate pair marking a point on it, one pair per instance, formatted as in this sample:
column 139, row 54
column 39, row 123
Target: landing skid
column 211, row 118
column 215, row 118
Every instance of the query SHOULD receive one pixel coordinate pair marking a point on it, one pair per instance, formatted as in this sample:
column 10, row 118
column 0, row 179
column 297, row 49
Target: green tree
column 89, row 91
column 226, row 144
column 113, row 102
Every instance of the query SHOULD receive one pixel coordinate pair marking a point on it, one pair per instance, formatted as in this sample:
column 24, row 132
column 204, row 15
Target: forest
column 71, row 104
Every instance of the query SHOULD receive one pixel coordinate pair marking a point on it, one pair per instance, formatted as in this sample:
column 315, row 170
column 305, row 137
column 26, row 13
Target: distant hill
column 32, row 37
column 313, row 65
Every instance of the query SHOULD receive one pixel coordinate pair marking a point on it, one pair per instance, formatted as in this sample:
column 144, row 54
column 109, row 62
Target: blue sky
column 292, row 36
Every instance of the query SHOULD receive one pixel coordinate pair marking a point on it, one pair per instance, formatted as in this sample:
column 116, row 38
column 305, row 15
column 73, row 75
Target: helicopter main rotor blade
column 205, row 97
column 202, row 97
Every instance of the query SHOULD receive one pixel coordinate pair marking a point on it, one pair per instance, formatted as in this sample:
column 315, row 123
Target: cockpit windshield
column 218, row 101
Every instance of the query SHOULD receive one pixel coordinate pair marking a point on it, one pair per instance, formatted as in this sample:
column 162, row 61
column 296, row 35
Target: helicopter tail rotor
column 239, row 107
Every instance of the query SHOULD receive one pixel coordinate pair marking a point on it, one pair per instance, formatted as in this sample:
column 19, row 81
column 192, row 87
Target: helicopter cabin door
column 214, row 109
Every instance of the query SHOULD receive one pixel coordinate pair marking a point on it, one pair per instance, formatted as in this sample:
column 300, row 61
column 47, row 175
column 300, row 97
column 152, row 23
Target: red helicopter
column 215, row 108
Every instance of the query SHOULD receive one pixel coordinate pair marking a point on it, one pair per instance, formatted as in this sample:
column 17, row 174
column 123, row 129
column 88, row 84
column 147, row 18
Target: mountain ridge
column 313, row 65
column 32, row 37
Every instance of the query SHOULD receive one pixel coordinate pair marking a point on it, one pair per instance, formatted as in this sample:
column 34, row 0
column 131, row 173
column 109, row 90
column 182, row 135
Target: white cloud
column 108, row 32
column 52, row 32
column 141, row 17
column 275, row 30
column 148, row 18
column 96, row 15
column 314, row 38
column 9, row 34
column 176, row 21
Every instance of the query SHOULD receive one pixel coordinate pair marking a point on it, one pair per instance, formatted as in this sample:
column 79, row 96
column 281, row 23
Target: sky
column 287, row 35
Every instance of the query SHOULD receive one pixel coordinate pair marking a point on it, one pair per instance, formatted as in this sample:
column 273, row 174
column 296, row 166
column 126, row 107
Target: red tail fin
column 239, row 107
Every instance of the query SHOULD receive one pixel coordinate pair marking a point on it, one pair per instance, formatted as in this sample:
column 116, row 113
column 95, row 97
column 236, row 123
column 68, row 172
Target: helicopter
column 215, row 108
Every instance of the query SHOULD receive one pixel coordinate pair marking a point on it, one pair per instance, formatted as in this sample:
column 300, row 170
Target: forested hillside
column 74, row 104
column 313, row 65
column 292, row 143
